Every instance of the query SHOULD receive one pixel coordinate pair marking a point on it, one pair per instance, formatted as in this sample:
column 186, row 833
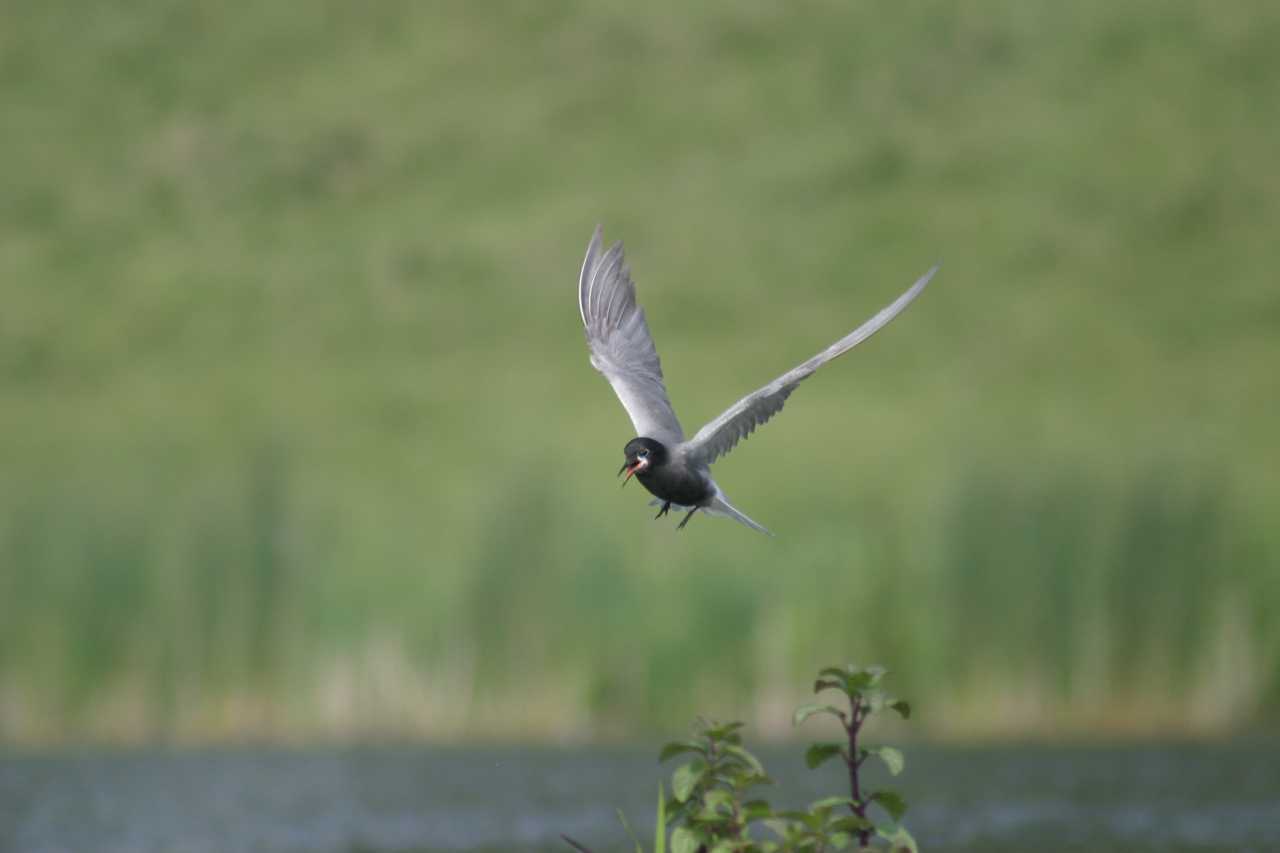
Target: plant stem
column 858, row 806
column 574, row 844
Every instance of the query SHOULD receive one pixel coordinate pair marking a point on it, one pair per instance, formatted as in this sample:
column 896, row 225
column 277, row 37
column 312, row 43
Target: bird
column 676, row 470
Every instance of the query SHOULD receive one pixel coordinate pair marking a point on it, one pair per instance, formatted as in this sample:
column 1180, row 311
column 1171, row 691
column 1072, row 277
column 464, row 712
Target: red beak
column 638, row 465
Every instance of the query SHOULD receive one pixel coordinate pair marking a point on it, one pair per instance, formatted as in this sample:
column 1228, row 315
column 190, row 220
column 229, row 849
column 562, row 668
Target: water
column 370, row 800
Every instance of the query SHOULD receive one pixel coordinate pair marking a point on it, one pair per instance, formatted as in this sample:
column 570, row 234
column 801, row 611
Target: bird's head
column 641, row 454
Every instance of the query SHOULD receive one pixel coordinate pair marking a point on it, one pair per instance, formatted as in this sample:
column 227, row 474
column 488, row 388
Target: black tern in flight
column 676, row 471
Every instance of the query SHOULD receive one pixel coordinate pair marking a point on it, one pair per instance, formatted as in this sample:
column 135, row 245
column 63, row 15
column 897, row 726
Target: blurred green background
column 299, row 439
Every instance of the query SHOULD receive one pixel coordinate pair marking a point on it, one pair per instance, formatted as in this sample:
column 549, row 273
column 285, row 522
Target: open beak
column 632, row 468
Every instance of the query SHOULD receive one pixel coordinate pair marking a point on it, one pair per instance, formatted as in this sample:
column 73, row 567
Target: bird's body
column 677, row 481
column 669, row 480
column 675, row 470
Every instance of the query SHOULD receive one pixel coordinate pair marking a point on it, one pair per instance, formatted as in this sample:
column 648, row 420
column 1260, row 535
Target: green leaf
column 745, row 757
column 900, row 841
column 832, row 678
column 858, row 682
column 819, row 753
column 627, row 826
column 750, row 780
column 677, row 747
column 756, row 810
column 827, row 684
column 892, row 802
column 718, row 797
column 829, row 803
column 686, row 778
column 686, row 840
column 717, row 804
column 719, row 731
column 839, row 840
column 709, row 814
column 737, row 778
column 850, row 823
column 892, row 758
column 806, row 711
column 660, row 830
column 902, row 707
column 861, row 680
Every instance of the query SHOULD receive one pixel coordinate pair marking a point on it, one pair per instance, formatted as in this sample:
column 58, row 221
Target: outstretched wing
column 740, row 420
column 620, row 344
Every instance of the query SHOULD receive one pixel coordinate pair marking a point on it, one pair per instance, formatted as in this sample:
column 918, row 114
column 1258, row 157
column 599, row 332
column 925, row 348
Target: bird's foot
column 665, row 507
column 681, row 525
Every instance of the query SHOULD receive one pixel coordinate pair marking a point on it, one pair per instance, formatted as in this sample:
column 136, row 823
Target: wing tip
column 928, row 276
column 593, row 263
column 898, row 305
column 588, row 265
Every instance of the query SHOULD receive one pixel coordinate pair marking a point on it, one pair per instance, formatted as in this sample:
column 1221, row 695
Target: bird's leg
column 666, row 506
column 681, row 525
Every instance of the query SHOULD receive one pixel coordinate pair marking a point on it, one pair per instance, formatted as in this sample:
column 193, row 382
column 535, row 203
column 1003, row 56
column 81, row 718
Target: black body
column 669, row 480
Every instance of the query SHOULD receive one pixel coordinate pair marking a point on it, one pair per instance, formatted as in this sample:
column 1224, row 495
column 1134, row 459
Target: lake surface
column 1130, row 798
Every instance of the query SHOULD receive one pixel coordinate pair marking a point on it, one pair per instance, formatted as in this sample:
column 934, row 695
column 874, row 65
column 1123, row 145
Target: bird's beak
column 632, row 468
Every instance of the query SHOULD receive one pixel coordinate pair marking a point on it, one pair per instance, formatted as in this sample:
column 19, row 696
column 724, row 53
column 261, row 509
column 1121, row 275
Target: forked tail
column 720, row 506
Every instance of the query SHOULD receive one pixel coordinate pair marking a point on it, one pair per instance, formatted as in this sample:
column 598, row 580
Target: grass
column 298, row 434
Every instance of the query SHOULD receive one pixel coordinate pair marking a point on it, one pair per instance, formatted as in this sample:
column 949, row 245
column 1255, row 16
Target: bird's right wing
column 740, row 420
column 620, row 344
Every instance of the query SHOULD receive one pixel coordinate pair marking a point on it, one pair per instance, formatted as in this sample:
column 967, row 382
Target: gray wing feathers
column 621, row 347
column 741, row 419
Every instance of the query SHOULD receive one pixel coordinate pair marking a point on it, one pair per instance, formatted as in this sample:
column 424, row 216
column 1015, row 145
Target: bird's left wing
column 621, row 346
column 740, row 420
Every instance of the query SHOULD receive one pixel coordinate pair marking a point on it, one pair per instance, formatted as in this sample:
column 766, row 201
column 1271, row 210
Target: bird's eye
column 644, row 453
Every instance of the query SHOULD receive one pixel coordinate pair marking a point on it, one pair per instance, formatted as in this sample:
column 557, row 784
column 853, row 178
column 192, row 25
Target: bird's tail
column 720, row 506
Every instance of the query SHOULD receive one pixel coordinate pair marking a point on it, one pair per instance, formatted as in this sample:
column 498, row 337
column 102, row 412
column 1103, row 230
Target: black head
column 642, row 454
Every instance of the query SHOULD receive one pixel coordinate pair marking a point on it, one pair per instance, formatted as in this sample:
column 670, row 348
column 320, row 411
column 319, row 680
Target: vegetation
column 298, row 437
column 709, row 810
